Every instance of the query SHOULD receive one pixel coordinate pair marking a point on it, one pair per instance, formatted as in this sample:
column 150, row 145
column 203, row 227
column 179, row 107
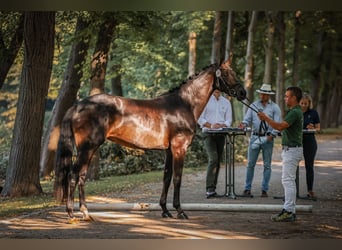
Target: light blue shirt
column 271, row 109
column 216, row 111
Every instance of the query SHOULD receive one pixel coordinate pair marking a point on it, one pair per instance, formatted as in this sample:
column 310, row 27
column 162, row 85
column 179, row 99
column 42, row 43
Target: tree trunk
column 296, row 49
column 100, row 56
column 7, row 55
column 192, row 53
column 116, row 81
column 217, row 38
column 229, row 37
column 66, row 97
column 281, row 63
column 228, row 50
column 22, row 176
column 249, row 58
column 97, row 80
column 269, row 48
column 316, row 84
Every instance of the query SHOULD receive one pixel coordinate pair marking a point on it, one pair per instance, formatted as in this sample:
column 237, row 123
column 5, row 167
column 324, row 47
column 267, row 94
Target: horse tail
column 64, row 157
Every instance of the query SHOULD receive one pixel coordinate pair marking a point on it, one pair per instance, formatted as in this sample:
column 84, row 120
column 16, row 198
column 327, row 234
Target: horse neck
column 197, row 92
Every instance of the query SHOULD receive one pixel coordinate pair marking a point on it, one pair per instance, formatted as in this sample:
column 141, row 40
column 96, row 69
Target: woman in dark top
column 311, row 121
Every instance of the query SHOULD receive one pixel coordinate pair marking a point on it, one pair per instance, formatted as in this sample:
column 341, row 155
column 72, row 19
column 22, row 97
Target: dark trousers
column 309, row 151
column 214, row 145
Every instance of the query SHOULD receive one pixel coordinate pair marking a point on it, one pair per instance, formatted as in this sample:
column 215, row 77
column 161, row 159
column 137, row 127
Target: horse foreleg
column 166, row 184
column 177, row 180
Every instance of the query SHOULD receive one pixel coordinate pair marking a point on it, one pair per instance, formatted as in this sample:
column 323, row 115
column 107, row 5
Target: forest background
column 49, row 60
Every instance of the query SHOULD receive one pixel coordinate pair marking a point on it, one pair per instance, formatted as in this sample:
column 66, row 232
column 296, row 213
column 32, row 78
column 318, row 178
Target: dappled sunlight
column 133, row 223
column 102, row 199
column 330, row 164
column 165, row 228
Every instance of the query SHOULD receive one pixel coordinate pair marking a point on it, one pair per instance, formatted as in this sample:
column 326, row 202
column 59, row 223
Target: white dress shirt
column 216, row 111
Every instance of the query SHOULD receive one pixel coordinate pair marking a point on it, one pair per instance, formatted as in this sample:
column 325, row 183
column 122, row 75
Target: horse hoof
column 88, row 218
column 166, row 214
column 73, row 220
column 182, row 216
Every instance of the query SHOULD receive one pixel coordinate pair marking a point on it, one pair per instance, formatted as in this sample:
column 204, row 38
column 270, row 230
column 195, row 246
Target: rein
column 234, row 93
column 263, row 125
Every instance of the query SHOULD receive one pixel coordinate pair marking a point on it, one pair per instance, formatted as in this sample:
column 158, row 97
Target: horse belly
column 136, row 139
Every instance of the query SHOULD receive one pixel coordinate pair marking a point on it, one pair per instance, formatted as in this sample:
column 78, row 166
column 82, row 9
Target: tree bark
column 7, row 55
column 269, row 48
column 192, row 53
column 249, row 58
column 217, row 38
column 296, row 49
column 97, row 80
column 66, row 98
column 116, row 81
column 281, row 63
column 100, row 56
column 229, row 37
column 22, row 176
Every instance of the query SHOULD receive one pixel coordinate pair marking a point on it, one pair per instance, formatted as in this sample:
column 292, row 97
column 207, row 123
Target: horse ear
column 226, row 64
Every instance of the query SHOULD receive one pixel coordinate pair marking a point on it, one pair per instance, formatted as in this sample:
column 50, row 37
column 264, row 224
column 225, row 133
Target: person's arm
column 280, row 126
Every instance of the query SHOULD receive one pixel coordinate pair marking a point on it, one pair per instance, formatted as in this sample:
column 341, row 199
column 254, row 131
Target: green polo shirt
column 293, row 135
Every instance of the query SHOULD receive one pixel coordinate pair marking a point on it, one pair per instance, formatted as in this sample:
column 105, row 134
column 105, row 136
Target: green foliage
column 150, row 53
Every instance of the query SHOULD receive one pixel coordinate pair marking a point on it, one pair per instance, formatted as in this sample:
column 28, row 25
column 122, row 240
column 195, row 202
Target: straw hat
column 265, row 89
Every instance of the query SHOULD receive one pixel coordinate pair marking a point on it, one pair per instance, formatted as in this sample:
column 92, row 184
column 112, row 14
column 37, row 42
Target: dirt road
column 324, row 222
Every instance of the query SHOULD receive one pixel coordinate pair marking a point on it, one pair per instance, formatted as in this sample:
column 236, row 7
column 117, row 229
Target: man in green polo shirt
column 292, row 150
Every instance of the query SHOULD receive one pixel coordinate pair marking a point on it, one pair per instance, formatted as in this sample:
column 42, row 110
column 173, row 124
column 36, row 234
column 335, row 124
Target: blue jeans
column 256, row 144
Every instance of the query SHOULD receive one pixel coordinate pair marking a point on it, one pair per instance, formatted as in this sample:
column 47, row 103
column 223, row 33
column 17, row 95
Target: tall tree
column 192, row 53
column 8, row 51
column 249, row 57
column 217, row 38
column 100, row 55
column 66, row 97
column 269, row 47
column 281, row 62
column 229, row 36
column 97, row 80
column 296, row 48
column 22, row 176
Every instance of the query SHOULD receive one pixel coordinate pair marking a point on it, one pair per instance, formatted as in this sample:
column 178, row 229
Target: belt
column 262, row 134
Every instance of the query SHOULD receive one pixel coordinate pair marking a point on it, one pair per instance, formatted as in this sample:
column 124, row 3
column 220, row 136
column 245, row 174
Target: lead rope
column 263, row 125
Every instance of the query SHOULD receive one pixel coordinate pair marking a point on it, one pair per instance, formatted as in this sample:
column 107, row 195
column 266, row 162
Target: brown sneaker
column 311, row 196
column 264, row 193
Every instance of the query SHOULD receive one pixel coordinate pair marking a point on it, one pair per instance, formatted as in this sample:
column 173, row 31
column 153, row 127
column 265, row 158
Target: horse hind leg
column 72, row 178
column 78, row 177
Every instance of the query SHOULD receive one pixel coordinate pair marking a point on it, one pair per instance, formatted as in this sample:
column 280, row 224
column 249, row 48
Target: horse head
column 227, row 82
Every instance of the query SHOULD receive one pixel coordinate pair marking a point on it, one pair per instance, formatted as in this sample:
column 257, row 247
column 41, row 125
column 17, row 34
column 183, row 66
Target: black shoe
column 211, row 194
column 264, row 193
column 247, row 193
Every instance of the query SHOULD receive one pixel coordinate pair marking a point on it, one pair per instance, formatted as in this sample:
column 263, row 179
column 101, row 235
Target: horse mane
column 190, row 78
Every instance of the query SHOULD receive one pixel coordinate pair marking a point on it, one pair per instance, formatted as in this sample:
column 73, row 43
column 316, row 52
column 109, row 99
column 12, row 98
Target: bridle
column 236, row 91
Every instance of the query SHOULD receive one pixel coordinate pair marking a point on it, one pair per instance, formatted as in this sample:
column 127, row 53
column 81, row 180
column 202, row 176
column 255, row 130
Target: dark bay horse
column 167, row 122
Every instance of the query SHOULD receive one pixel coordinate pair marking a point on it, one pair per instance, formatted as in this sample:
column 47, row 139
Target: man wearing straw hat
column 262, row 138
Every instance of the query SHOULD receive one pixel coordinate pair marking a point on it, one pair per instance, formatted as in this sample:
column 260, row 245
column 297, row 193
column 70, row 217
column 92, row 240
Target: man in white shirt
column 217, row 114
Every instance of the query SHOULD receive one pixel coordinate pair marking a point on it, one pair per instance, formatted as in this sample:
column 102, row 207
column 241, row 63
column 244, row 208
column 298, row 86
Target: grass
column 12, row 207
